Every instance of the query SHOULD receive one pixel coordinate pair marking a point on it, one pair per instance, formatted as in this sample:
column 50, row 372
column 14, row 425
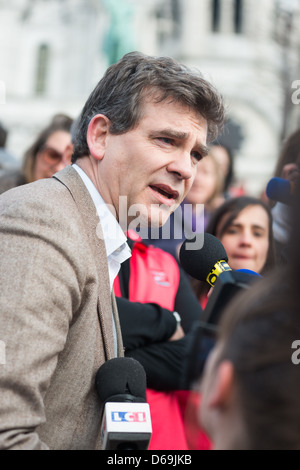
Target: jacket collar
column 72, row 181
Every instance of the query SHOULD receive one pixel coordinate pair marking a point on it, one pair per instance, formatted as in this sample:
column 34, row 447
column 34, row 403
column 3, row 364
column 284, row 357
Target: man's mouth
column 165, row 191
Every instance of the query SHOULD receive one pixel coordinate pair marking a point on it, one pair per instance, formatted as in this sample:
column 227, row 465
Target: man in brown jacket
column 136, row 146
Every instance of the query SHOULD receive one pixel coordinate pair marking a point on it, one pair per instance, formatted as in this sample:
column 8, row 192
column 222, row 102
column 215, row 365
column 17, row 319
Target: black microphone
column 121, row 387
column 281, row 190
column 209, row 264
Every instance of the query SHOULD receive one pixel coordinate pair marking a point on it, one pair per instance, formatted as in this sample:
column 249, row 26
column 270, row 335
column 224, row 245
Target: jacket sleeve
column 164, row 363
column 38, row 292
column 144, row 324
column 186, row 303
column 148, row 323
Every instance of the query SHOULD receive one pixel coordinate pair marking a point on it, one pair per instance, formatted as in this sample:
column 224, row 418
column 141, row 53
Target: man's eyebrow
column 181, row 135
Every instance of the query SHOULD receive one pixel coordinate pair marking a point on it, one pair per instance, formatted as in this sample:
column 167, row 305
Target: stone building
column 250, row 50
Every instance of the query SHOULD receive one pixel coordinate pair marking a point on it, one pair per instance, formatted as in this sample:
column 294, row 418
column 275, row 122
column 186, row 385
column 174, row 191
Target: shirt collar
column 114, row 237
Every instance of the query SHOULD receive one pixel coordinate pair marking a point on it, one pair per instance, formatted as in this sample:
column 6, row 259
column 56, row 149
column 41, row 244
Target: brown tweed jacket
column 55, row 315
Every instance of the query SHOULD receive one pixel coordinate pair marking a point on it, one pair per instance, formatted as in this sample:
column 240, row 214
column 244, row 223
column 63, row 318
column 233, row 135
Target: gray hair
column 120, row 93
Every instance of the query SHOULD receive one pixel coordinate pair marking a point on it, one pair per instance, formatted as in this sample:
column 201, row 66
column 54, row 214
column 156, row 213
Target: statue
column 119, row 38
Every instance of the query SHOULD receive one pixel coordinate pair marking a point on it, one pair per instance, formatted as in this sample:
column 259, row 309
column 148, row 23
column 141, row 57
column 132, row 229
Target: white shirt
column 117, row 249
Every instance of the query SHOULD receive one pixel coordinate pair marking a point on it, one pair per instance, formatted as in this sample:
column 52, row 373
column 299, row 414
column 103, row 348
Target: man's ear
column 96, row 135
column 223, row 385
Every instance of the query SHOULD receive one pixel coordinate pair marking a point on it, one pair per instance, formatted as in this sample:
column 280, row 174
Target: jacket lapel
column 106, row 307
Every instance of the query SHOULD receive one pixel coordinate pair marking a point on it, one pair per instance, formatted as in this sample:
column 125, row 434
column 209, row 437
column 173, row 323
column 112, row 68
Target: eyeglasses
column 52, row 156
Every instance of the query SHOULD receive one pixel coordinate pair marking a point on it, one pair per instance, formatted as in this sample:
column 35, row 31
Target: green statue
column 119, row 38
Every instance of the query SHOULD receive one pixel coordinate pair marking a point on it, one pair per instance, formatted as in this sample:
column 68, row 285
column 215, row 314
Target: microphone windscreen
column 279, row 189
column 121, row 376
column 199, row 263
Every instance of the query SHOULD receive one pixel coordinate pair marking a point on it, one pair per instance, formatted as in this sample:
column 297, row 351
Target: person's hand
column 179, row 333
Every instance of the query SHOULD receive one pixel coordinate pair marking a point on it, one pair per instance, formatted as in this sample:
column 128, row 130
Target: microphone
column 207, row 263
column 281, row 190
column 126, row 422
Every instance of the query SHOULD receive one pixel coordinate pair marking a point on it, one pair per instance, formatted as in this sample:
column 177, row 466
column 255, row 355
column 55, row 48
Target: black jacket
column 146, row 329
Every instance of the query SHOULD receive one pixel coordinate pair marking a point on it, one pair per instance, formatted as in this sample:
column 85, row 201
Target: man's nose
column 182, row 165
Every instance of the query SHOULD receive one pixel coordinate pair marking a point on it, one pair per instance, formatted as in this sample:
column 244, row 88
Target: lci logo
column 128, row 417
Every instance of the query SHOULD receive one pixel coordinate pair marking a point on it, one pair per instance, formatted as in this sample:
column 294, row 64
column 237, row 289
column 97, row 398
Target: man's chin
column 154, row 216
column 159, row 219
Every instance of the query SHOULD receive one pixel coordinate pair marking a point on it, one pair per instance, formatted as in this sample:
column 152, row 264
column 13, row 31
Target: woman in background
column 244, row 227
column 49, row 153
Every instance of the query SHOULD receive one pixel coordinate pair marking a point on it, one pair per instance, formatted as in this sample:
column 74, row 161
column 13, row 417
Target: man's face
column 153, row 165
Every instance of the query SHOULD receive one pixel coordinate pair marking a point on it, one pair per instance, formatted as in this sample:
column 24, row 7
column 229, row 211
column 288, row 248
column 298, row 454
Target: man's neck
column 89, row 166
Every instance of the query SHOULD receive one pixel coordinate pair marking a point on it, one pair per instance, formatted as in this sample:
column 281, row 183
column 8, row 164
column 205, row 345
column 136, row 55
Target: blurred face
column 222, row 158
column 246, row 239
column 155, row 163
column 206, row 180
column 52, row 157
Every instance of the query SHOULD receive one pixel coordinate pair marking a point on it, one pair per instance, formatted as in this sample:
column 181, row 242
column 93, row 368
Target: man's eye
column 197, row 156
column 166, row 140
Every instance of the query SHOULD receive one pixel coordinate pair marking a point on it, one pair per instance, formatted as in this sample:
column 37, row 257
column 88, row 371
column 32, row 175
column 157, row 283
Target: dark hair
column 120, row 93
column 256, row 334
column 290, row 152
column 293, row 246
column 59, row 122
